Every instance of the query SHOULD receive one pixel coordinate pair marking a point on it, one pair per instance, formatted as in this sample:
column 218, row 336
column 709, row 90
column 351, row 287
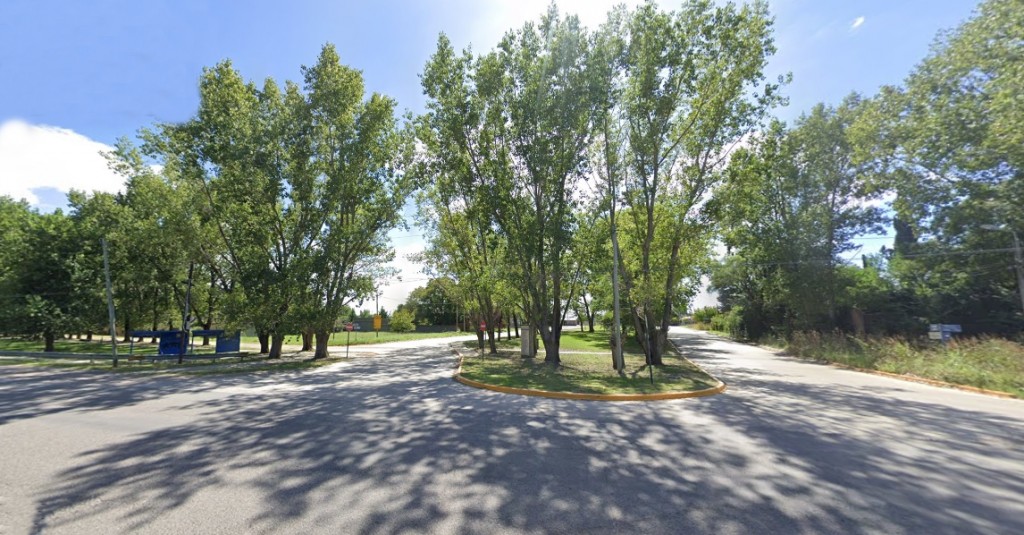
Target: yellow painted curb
column 581, row 396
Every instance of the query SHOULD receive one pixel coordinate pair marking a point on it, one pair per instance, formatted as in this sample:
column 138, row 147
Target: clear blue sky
column 106, row 68
column 75, row 75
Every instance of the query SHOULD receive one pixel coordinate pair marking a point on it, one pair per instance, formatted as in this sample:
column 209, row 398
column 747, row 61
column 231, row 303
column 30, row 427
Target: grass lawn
column 81, row 346
column 985, row 362
column 199, row 367
column 572, row 340
column 586, row 368
column 364, row 337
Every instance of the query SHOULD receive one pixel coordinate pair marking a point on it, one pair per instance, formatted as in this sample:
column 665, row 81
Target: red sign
column 483, row 325
column 348, row 326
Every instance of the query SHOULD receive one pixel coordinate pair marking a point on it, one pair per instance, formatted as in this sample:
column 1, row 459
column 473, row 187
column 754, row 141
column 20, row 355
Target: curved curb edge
column 457, row 376
column 925, row 381
column 890, row 375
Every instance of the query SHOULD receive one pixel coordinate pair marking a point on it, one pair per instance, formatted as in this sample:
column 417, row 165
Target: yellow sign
column 377, row 322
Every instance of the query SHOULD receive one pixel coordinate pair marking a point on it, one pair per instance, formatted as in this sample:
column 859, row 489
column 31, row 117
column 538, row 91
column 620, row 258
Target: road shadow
column 33, row 391
column 392, row 444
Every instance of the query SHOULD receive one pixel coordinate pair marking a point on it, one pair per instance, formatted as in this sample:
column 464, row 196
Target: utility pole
column 110, row 301
column 1018, row 257
column 617, row 360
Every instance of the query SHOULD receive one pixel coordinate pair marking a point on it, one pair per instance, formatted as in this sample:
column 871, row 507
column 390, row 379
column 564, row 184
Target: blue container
column 229, row 343
column 171, row 343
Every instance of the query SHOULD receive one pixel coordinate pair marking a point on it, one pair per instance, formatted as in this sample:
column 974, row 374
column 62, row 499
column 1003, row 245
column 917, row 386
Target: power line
column 959, row 253
column 917, row 255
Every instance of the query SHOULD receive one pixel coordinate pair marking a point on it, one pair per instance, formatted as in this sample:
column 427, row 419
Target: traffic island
column 585, row 376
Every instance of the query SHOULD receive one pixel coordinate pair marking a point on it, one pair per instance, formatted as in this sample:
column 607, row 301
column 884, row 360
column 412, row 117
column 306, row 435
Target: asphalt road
column 388, row 443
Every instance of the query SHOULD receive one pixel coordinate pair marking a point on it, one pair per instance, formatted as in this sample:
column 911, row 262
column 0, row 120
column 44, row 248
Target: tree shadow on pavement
column 30, row 392
column 392, row 444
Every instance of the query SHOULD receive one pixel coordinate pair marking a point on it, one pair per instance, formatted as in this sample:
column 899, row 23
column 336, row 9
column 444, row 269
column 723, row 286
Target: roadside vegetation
column 984, row 362
column 168, row 365
column 82, row 346
column 988, row 362
column 597, row 341
column 366, row 337
column 584, row 368
column 567, row 171
column 587, row 373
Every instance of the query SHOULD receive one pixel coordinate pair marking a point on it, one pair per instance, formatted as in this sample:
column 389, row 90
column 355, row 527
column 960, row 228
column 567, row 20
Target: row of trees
column 51, row 278
column 534, row 147
column 275, row 201
column 564, row 170
column 939, row 157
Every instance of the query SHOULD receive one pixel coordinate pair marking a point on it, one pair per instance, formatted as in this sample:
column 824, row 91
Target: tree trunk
column 156, row 314
column 650, row 336
column 307, row 340
column 48, row 338
column 276, row 341
column 322, row 337
column 589, row 313
column 490, row 340
column 515, row 320
column 209, row 306
column 127, row 328
column 508, row 328
column 655, row 336
column 88, row 336
column 264, row 339
column 660, row 345
column 551, row 353
column 480, row 339
column 550, row 337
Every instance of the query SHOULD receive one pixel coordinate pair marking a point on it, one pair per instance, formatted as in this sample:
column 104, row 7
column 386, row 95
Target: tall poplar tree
column 692, row 86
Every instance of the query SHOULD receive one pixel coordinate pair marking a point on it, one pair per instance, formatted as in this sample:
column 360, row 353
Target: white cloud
column 857, row 23
column 40, row 156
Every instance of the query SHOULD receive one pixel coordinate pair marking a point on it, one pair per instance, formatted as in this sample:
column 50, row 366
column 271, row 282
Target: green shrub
column 401, row 322
column 704, row 315
column 625, row 322
column 730, row 322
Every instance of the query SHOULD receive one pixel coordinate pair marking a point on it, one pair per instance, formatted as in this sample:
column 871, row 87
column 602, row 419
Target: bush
column 625, row 321
column 401, row 322
column 704, row 315
column 730, row 322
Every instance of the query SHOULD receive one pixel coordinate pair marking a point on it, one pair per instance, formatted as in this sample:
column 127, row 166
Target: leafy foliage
column 402, row 322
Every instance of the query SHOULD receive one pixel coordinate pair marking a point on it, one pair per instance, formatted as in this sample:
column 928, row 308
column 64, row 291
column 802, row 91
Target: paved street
column 388, row 443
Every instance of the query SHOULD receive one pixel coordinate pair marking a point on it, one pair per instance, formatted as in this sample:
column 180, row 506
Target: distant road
column 388, row 443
